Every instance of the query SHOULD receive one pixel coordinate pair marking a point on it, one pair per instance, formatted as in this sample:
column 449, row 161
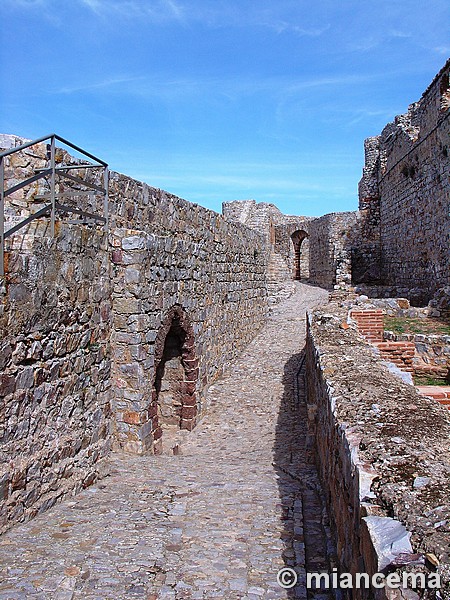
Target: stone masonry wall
column 405, row 187
column 189, row 257
column 330, row 241
column 382, row 453
column 84, row 322
column 432, row 352
column 55, row 364
column 326, row 252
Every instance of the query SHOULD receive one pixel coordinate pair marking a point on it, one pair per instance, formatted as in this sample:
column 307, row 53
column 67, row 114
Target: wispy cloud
column 285, row 26
column 364, row 115
column 159, row 10
column 105, row 84
column 27, row 4
column 187, row 12
column 166, row 88
column 395, row 33
column 445, row 50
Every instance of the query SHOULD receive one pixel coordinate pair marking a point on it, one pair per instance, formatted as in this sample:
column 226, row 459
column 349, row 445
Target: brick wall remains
column 370, row 323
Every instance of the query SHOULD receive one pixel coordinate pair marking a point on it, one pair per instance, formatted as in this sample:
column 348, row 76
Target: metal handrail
column 56, row 137
column 54, row 206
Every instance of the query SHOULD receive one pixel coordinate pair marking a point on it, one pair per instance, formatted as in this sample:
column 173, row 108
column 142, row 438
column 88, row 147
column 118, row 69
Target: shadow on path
column 308, row 546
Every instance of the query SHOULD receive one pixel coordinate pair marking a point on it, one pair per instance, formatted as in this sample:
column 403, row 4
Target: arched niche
column 174, row 403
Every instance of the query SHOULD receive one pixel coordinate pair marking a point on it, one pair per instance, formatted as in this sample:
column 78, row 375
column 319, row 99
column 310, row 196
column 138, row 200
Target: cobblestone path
column 218, row 521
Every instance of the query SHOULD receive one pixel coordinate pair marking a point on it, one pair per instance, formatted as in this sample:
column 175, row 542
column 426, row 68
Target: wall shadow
column 307, row 539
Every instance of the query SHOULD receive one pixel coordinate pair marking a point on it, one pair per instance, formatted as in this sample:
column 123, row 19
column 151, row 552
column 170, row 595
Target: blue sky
column 219, row 100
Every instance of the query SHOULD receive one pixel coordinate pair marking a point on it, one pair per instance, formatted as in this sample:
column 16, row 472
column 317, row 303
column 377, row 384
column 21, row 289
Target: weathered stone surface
column 218, row 520
column 372, row 422
column 404, row 197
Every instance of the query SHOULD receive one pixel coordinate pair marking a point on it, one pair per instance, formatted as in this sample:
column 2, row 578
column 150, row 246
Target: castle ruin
column 113, row 335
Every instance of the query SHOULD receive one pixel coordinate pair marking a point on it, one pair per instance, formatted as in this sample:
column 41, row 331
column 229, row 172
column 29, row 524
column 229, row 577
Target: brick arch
column 176, row 324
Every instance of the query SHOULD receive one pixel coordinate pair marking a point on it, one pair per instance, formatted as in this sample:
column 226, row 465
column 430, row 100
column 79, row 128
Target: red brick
column 188, row 412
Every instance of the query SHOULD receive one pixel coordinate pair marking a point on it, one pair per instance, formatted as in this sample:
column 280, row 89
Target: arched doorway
column 174, row 405
column 300, row 251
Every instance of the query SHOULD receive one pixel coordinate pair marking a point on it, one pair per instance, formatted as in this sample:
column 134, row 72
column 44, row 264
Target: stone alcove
column 174, row 404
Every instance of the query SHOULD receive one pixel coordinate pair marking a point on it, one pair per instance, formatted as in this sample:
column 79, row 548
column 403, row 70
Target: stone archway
column 300, row 254
column 174, row 404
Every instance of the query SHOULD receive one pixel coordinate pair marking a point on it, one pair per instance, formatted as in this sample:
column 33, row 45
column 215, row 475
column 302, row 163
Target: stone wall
column 382, row 454
column 326, row 242
column 432, row 352
column 55, row 364
column 192, row 258
column 85, row 320
column 330, row 242
column 404, row 195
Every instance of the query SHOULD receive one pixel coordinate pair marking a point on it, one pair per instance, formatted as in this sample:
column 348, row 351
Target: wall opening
column 174, row 405
column 300, row 250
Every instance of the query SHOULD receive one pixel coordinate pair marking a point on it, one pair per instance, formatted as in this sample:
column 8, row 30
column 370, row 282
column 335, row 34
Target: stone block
column 135, row 242
column 127, row 306
column 7, row 384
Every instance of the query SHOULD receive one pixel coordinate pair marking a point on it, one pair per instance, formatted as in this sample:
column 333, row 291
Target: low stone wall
column 432, row 352
column 382, row 451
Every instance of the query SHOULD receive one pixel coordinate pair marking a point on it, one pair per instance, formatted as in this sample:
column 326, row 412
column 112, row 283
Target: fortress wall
column 406, row 183
column 330, row 242
column 55, row 364
column 80, row 318
column 187, row 256
column 326, row 252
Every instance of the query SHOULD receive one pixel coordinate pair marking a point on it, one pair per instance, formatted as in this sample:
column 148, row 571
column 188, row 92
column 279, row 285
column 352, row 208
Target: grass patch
column 429, row 380
column 416, row 325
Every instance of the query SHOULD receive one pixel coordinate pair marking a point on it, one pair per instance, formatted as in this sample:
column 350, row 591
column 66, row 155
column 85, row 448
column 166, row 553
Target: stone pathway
column 218, row 521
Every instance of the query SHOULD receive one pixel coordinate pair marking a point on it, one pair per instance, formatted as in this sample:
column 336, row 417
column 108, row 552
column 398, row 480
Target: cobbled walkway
column 220, row 520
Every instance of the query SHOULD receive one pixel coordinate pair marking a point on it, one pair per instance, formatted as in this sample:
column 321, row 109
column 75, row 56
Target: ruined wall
column 326, row 252
column 382, row 454
column 330, row 242
column 405, row 187
column 284, row 244
column 432, row 352
column 366, row 248
column 85, row 314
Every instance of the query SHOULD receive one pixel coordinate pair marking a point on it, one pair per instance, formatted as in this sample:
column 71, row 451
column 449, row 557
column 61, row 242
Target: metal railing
column 53, row 172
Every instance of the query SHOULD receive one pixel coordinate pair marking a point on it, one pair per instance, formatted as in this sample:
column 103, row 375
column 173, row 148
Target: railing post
column 106, row 198
column 2, row 217
column 52, row 186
